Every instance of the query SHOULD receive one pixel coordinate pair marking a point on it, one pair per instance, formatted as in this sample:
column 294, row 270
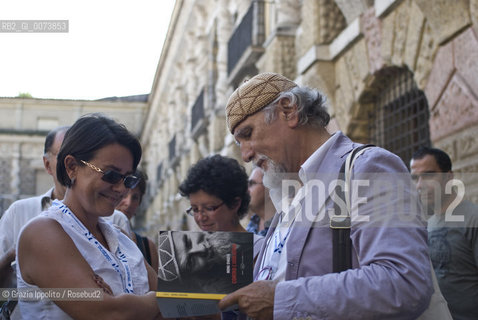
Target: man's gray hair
column 311, row 106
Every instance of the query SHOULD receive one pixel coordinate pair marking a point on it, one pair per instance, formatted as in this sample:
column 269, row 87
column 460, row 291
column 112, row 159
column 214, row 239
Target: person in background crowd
column 71, row 246
column 21, row 211
column 261, row 204
column 216, row 187
column 452, row 231
column 128, row 206
column 281, row 127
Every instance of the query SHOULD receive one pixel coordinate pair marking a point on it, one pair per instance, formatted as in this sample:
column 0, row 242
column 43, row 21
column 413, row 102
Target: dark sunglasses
column 113, row 177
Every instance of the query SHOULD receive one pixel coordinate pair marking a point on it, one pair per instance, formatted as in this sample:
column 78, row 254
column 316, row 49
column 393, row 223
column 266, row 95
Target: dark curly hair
column 221, row 177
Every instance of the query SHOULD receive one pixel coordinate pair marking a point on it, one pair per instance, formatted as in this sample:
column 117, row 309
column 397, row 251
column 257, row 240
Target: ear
column 237, row 203
column 450, row 175
column 71, row 166
column 47, row 165
column 288, row 112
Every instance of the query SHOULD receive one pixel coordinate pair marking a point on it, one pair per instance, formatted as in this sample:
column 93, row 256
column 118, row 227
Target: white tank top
column 121, row 267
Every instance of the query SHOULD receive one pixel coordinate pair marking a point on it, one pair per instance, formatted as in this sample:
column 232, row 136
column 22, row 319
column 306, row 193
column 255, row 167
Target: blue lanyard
column 267, row 272
column 128, row 283
column 278, row 246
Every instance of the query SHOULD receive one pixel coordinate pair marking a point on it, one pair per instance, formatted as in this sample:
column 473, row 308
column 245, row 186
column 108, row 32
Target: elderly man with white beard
column 281, row 127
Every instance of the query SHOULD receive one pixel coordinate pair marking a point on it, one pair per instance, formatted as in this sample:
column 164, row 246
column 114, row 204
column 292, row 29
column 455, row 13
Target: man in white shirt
column 21, row 211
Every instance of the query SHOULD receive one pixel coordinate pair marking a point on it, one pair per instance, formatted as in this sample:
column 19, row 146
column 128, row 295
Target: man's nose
column 247, row 153
column 419, row 183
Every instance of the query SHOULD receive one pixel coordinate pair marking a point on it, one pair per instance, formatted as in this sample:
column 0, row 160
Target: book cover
column 198, row 268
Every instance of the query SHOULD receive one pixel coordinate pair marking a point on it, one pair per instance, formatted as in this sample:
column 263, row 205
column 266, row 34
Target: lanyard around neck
column 126, row 281
column 286, row 221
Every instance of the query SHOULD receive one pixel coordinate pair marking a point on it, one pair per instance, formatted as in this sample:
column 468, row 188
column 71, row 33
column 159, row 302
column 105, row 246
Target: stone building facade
column 397, row 73
column 24, row 124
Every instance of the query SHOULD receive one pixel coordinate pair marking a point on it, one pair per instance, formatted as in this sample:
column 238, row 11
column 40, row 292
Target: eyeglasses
column 208, row 209
column 113, row 177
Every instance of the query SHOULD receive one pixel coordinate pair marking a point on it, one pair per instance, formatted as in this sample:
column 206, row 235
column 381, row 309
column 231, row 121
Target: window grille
column 240, row 40
column 399, row 121
column 248, row 34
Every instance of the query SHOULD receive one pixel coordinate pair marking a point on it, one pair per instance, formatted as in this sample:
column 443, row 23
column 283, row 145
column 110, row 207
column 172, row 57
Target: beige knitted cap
column 253, row 95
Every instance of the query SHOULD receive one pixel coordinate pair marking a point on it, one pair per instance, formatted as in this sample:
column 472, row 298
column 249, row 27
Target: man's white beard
column 273, row 175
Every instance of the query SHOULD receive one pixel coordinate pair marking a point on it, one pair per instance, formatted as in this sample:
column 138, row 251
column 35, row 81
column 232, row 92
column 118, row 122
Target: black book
column 197, row 269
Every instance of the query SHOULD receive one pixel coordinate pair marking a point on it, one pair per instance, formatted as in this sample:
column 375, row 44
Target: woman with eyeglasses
column 71, row 246
column 217, row 190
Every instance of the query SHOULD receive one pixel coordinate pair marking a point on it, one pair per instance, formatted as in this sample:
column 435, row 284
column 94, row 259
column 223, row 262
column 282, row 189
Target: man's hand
column 256, row 299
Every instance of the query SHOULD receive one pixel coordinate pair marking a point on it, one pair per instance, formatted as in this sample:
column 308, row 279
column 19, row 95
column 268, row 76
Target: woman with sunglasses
column 72, row 246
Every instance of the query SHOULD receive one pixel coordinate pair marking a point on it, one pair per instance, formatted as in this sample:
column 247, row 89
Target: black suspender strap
column 341, row 224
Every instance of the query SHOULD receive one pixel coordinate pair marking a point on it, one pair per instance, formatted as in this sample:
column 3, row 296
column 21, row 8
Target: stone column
column 217, row 131
column 224, row 29
column 280, row 54
column 15, row 170
column 288, row 14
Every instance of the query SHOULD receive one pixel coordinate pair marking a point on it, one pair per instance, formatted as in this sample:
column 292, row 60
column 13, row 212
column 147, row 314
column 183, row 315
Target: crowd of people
column 405, row 246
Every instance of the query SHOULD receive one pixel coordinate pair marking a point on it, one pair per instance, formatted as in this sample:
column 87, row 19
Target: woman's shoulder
column 40, row 229
column 41, row 242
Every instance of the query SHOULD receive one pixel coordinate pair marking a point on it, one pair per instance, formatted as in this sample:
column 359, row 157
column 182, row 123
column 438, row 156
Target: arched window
column 398, row 121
